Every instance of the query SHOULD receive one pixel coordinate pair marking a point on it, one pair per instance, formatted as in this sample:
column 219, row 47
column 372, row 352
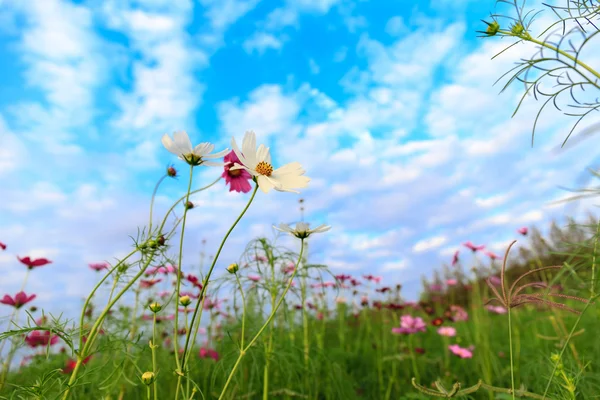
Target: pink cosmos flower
column 205, row 352
column 148, row 283
column 458, row 313
column 451, row 282
column 447, row 331
column 409, row 324
column 237, row 179
column 376, row 279
column 164, row 293
column 496, row 309
column 492, row 255
column 260, row 258
column 343, row 277
column 31, row 264
column 288, row 269
column 495, row 280
column 472, row 247
column 455, row 258
column 254, row 278
column 461, row 352
column 18, row 301
column 98, row 266
column 41, row 338
column 523, row 231
column 2, row 246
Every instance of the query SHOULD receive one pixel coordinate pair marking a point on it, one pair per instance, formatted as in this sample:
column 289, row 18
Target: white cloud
column 429, row 244
column 395, row 26
column 314, row 67
column 261, row 42
column 394, row 265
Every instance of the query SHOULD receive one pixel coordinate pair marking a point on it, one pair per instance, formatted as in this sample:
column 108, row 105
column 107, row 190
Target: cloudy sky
column 390, row 108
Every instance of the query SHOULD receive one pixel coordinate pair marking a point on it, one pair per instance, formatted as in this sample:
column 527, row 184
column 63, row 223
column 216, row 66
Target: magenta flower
column 98, row 266
column 18, row 301
column 237, row 179
column 495, row 280
column 461, row 352
column 523, row 231
column 409, row 324
column 204, row 353
column 41, row 338
column 38, row 262
column 458, row 313
column 455, row 259
column 492, row 255
column 451, row 282
column 376, row 279
column 2, row 246
column 447, row 331
column 496, row 309
column 472, row 247
column 148, row 283
column 254, row 278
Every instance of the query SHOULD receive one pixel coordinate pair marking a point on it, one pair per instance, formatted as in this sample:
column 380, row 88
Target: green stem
column 153, row 348
column 265, row 325
column 203, row 291
column 512, row 367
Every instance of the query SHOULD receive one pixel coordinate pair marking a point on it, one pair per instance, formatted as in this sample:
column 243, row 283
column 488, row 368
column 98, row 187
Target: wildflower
column 18, row 301
column 451, row 282
column 472, row 247
column 98, row 266
column 233, row 268
column 461, row 352
column 194, row 280
column 205, row 352
column 455, row 258
column 409, row 324
column 447, row 331
column 181, row 146
column 254, row 278
column 172, row 172
column 148, row 377
column 457, row 313
column 437, row 321
column 301, row 231
column 495, row 280
column 31, row 264
column 148, row 283
column 72, row 363
column 288, row 269
column 258, row 163
column 383, row 289
column 496, row 309
column 523, row 231
column 41, row 338
column 2, row 246
column 237, row 179
column 343, row 277
column 492, row 255
column 373, row 278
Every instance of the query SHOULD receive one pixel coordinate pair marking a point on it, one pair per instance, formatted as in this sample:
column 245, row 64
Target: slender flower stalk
column 186, row 348
column 265, row 325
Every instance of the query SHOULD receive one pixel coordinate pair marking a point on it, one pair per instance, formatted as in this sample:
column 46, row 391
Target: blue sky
column 390, row 109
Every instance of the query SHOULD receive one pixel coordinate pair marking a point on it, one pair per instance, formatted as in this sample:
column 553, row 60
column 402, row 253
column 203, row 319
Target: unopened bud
column 148, row 377
column 233, row 268
column 185, row 301
column 517, row 29
column 155, row 307
column 189, row 205
column 172, row 172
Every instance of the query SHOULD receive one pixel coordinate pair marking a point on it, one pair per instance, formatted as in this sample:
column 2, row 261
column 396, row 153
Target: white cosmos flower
column 301, row 231
column 258, row 163
column 181, row 146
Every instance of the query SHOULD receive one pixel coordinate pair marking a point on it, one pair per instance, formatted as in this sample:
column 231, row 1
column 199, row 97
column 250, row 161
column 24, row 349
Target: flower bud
column 233, row 268
column 189, row 205
column 517, row 29
column 185, row 301
column 148, row 377
column 155, row 307
column 172, row 172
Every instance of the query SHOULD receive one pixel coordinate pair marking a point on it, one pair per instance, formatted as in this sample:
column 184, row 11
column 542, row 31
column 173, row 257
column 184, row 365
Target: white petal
column 169, row 145
column 182, row 141
column 321, row 228
column 203, row 149
column 220, row 154
column 213, row 164
column 283, row 228
column 238, row 153
column 262, row 154
column 265, row 183
column 249, row 148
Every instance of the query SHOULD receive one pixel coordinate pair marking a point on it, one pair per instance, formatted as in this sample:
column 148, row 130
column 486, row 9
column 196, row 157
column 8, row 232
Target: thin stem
column 273, row 312
column 204, row 286
column 153, row 348
column 512, row 367
column 243, row 310
column 152, row 201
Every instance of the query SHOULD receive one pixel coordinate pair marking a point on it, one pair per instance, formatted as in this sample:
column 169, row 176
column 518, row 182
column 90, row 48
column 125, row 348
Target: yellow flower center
column 264, row 168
